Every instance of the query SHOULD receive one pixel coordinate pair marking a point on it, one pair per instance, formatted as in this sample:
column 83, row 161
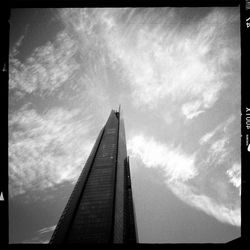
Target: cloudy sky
column 176, row 74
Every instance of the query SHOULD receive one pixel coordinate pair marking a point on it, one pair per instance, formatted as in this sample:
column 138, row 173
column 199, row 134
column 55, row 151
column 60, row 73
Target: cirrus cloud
column 45, row 150
column 163, row 61
column 176, row 164
column 205, row 203
column 182, row 174
column 234, row 174
column 47, row 68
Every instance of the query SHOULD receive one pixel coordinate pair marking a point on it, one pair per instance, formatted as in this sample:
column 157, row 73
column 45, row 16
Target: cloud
column 47, row 68
column 43, row 236
column 88, row 27
column 189, row 178
column 219, row 143
column 47, row 229
column 158, row 59
column 162, row 61
column 14, row 50
column 175, row 164
column 218, row 150
column 234, row 174
column 93, row 83
column 45, row 150
column 221, row 128
column 208, row 205
column 190, row 110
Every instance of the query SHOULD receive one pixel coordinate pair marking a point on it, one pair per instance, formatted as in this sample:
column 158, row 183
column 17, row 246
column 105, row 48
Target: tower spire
column 100, row 208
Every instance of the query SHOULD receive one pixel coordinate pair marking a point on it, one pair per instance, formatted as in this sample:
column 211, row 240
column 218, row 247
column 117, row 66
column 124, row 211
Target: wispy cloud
column 43, row 236
column 219, row 150
column 190, row 110
column 15, row 49
column 48, row 148
column 47, row 229
column 221, row 128
column 164, row 61
column 218, row 143
column 161, row 63
column 186, row 176
column 176, row 164
column 45, row 150
column 46, row 69
column 234, row 174
column 205, row 203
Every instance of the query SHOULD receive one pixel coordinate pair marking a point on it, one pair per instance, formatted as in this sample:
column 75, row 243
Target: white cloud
column 43, row 235
column 234, row 174
column 218, row 146
column 219, row 143
column 161, row 61
column 185, row 179
column 221, row 128
column 191, row 109
column 15, row 49
column 208, row 205
column 219, row 150
column 207, row 137
column 47, row 68
column 47, row 229
column 177, row 165
column 45, row 150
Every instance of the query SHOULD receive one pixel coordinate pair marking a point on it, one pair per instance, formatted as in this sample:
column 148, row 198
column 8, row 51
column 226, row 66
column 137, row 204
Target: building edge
column 65, row 220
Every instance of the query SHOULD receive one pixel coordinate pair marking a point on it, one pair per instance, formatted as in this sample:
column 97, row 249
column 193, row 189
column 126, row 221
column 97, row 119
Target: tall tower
column 100, row 208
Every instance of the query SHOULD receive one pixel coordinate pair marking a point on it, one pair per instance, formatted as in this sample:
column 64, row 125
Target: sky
column 176, row 74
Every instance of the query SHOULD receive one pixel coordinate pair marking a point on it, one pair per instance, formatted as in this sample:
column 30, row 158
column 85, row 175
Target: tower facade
column 100, row 208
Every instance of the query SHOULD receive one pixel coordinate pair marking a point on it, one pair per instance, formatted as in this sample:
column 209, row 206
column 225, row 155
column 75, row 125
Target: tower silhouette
column 100, row 208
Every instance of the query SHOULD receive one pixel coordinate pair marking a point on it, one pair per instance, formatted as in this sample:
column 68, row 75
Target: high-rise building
column 100, row 208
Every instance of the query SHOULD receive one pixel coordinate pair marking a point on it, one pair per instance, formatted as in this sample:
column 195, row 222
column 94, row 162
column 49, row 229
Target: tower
column 100, row 208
